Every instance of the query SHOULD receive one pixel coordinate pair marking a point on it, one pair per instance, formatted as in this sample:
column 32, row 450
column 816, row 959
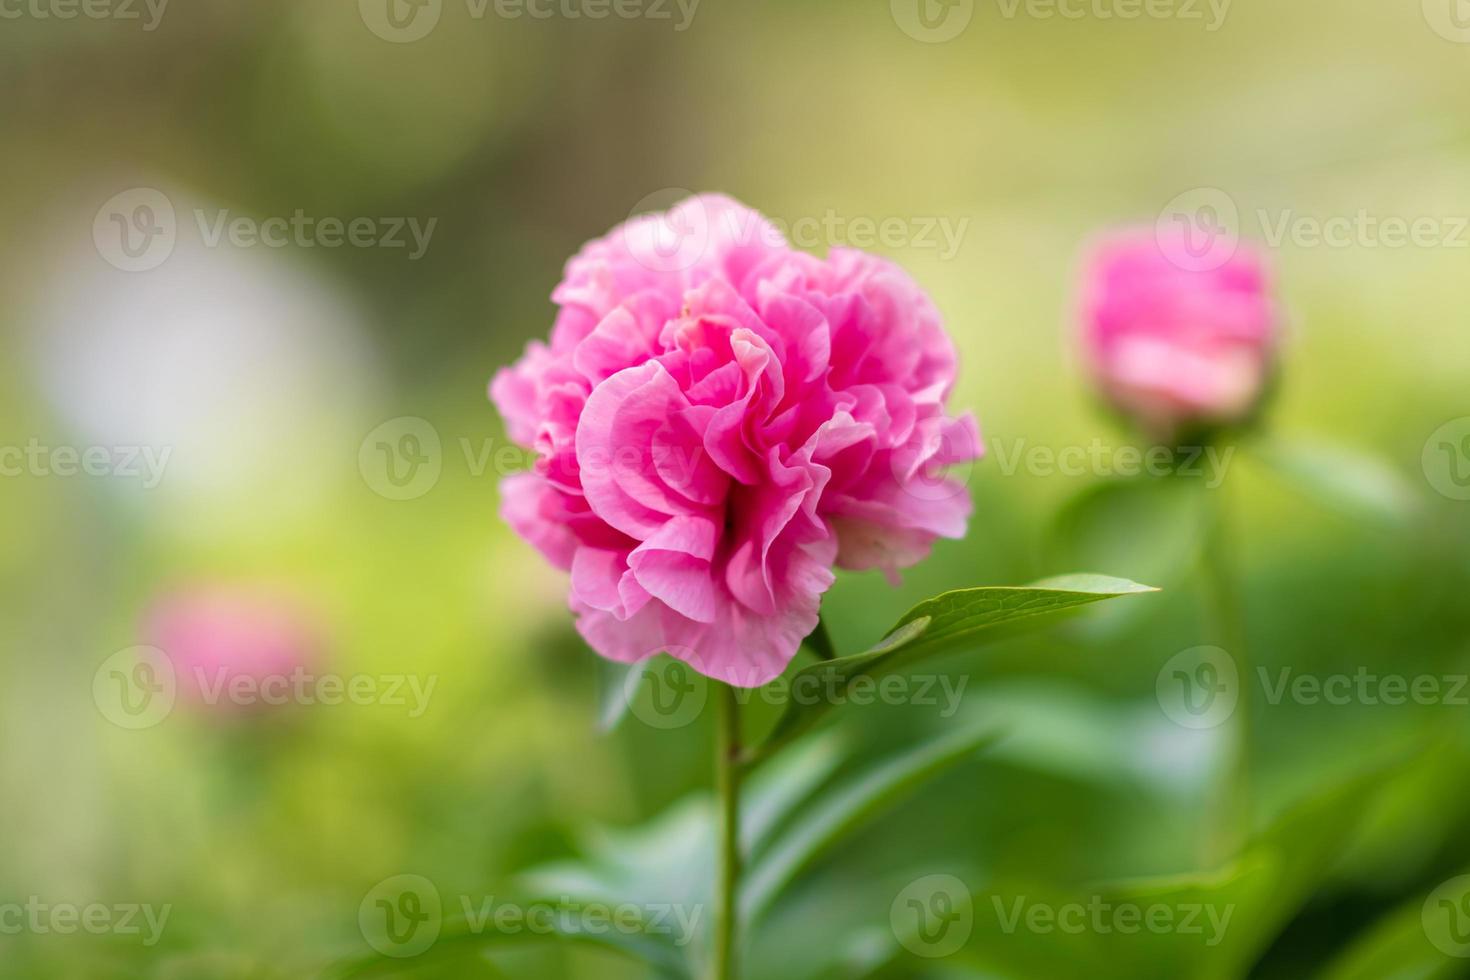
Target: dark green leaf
column 947, row 622
column 840, row 810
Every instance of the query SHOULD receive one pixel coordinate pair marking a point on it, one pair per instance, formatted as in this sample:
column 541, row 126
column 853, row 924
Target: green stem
column 727, row 787
column 1233, row 810
column 819, row 641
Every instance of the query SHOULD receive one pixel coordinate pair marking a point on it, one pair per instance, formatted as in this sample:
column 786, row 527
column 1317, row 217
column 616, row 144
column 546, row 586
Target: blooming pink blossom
column 216, row 636
column 719, row 420
column 1172, row 344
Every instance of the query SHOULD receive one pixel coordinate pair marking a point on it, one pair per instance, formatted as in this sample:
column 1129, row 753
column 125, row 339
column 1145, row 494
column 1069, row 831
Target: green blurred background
column 266, row 369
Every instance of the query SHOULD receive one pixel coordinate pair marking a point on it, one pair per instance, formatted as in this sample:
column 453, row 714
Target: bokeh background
column 268, row 372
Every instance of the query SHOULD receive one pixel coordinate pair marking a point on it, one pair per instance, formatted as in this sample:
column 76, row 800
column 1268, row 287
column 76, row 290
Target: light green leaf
column 950, row 621
column 461, row 944
column 1146, row 529
column 842, row 809
column 1349, row 480
column 614, row 682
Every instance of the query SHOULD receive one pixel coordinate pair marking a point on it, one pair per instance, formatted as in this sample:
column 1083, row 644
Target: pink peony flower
column 217, row 636
column 1172, row 344
column 719, row 420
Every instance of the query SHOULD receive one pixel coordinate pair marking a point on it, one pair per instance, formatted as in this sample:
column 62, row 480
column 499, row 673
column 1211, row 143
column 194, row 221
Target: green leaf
column 461, row 943
column 1146, row 529
column 614, row 682
column 842, row 809
column 771, row 795
column 1396, row 948
column 1277, row 872
column 1348, row 480
column 953, row 620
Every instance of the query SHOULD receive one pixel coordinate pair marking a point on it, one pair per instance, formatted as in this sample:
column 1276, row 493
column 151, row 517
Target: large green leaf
column 1147, row 529
column 947, row 622
column 462, row 943
column 1276, row 873
column 1348, row 480
column 1397, row 948
column 840, row 810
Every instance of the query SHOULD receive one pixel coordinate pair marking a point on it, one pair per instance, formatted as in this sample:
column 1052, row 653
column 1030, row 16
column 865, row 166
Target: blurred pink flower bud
column 1177, row 348
column 234, row 648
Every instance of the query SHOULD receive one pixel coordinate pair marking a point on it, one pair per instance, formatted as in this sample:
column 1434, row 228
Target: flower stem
column 727, row 788
column 1233, row 808
column 819, row 641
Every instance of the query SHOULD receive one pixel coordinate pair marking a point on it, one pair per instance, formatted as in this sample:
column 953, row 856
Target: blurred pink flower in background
column 720, row 420
column 219, row 635
column 1175, row 346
